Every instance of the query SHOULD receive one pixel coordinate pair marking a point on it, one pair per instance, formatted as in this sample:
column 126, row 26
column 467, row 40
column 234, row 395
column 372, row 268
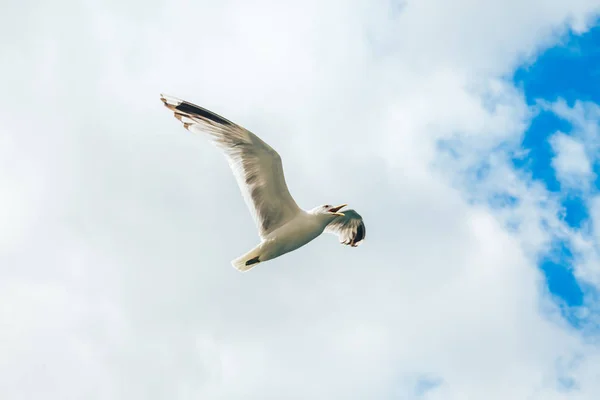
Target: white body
column 299, row 231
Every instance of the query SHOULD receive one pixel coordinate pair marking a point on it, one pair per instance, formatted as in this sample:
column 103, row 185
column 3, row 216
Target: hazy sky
column 117, row 226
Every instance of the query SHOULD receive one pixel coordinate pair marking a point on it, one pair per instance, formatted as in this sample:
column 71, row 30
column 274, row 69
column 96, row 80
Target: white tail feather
column 248, row 260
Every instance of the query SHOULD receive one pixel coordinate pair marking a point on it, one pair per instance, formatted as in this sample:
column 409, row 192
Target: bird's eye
column 327, row 206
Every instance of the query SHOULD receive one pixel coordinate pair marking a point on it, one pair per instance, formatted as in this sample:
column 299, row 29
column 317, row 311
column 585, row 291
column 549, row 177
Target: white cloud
column 587, row 244
column 576, row 153
column 120, row 286
column 584, row 117
column 571, row 163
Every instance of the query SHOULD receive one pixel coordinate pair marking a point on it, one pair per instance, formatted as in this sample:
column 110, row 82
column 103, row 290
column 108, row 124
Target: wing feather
column 256, row 165
column 350, row 228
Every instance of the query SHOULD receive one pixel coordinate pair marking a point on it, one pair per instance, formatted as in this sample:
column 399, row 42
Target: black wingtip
column 361, row 232
column 190, row 108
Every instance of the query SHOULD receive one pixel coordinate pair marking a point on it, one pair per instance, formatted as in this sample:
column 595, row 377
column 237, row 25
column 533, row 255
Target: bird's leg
column 254, row 260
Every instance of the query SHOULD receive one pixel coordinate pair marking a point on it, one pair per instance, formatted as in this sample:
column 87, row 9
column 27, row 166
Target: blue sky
column 569, row 71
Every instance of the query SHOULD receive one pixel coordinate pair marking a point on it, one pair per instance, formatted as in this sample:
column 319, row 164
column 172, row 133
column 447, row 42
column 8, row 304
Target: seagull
column 282, row 225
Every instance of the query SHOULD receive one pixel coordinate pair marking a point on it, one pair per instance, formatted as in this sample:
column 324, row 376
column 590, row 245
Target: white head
column 328, row 211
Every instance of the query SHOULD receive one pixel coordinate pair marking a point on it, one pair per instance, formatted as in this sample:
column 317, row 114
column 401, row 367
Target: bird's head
column 329, row 210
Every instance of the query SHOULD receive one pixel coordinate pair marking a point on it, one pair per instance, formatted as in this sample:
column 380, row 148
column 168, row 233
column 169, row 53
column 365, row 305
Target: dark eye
column 327, row 206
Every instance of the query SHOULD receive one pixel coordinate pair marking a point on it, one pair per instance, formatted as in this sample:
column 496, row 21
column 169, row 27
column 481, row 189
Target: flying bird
column 282, row 225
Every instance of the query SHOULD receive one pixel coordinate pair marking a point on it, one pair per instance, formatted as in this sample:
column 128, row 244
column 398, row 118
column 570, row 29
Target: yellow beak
column 335, row 210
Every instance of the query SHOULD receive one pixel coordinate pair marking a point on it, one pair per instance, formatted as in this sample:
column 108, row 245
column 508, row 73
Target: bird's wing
column 256, row 166
column 350, row 228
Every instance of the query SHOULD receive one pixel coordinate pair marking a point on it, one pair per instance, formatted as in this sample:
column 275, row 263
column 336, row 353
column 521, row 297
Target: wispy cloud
column 571, row 161
column 118, row 226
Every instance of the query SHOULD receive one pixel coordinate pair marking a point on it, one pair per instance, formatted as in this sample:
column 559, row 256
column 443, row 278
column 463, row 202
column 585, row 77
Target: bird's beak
column 335, row 210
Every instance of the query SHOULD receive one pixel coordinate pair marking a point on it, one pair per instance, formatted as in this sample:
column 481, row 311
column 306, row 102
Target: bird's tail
column 248, row 260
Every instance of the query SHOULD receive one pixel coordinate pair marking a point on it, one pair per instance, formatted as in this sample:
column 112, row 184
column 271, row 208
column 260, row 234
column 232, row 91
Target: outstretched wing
column 256, row 166
column 350, row 228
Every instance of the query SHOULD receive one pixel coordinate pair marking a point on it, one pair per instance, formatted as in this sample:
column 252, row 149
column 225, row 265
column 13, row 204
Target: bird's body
column 282, row 225
column 300, row 230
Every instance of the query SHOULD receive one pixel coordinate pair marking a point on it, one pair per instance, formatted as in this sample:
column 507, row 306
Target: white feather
column 256, row 166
